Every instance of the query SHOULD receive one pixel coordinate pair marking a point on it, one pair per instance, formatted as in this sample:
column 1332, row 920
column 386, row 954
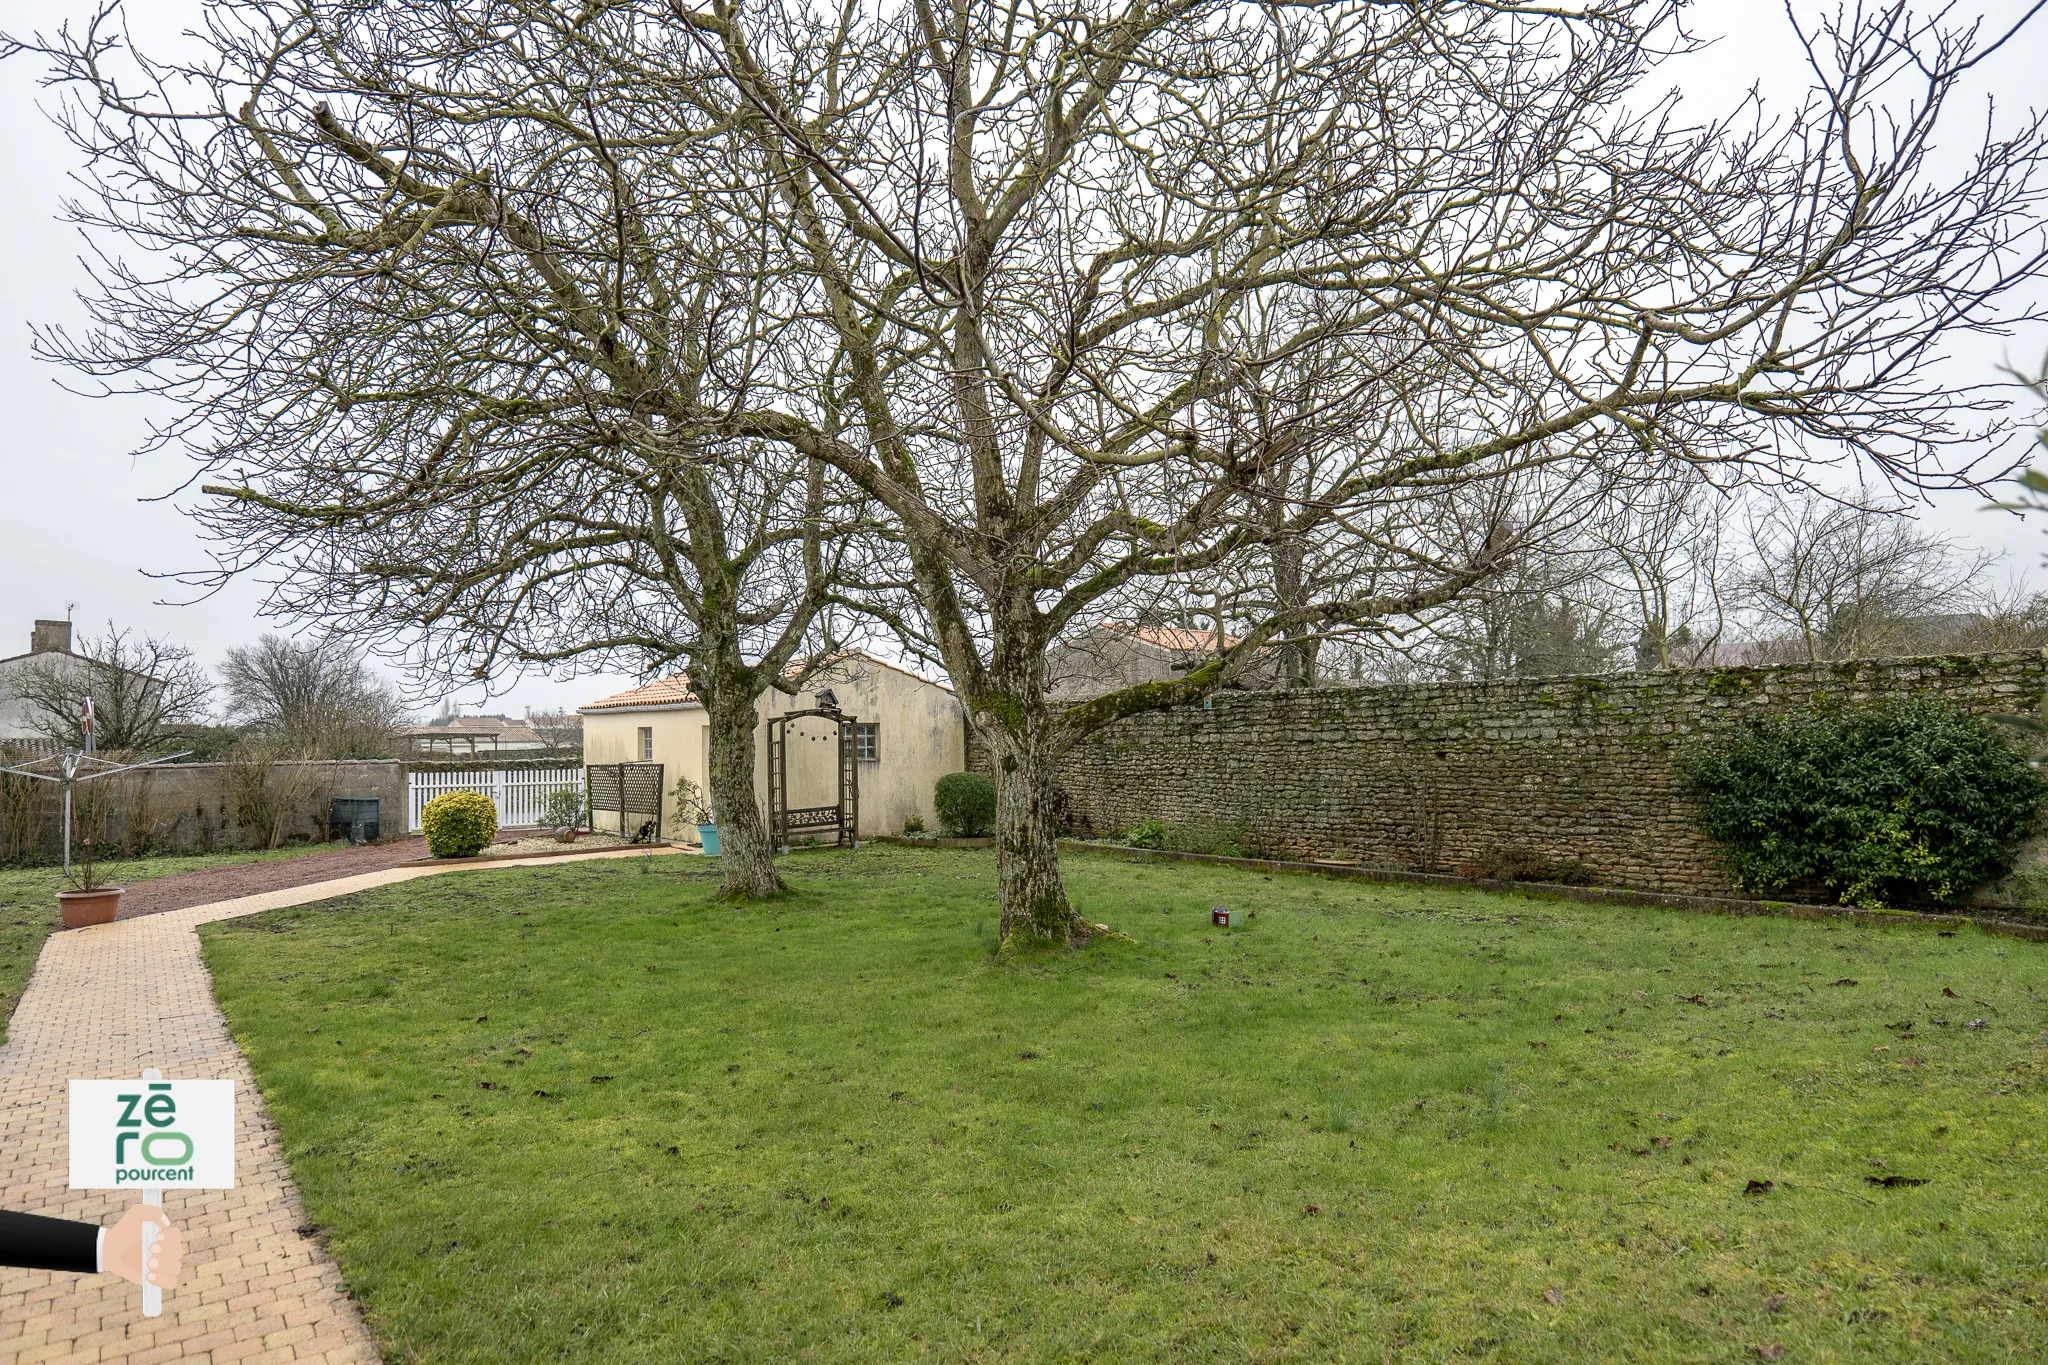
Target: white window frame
column 646, row 744
column 871, row 731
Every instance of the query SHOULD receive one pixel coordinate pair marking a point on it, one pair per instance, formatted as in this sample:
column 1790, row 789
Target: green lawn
column 585, row 1113
column 28, row 907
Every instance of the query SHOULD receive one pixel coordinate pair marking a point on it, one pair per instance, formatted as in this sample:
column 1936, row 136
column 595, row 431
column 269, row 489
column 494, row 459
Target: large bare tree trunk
column 1034, row 901
column 747, row 858
column 1023, row 737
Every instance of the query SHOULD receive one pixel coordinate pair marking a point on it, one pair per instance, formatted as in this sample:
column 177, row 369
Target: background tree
column 1846, row 579
column 311, row 700
column 1529, row 634
column 1660, row 555
column 561, row 731
column 145, row 692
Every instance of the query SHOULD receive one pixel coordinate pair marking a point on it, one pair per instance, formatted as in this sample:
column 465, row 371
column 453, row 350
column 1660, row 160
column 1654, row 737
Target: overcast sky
column 79, row 531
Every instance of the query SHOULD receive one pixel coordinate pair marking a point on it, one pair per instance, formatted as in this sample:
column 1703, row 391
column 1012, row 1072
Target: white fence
column 521, row 793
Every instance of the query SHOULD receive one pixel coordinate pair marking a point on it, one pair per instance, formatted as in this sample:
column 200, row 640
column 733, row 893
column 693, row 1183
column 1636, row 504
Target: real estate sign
column 151, row 1132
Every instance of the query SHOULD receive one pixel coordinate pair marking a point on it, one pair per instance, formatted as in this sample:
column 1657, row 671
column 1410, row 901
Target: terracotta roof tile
column 1174, row 637
column 675, row 690
column 669, row 691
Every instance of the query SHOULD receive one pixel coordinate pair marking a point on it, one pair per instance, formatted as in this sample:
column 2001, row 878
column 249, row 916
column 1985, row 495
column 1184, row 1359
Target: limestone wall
column 1455, row 776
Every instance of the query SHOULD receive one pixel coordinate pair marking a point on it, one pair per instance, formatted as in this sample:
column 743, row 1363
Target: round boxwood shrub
column 1903, row 802
column 459, row 824
column 966, row 803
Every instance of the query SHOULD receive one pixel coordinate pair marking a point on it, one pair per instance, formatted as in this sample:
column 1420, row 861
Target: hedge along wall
column 1451, row 776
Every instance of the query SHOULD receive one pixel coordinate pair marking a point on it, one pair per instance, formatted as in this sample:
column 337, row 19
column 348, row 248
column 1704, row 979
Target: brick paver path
column 109, row 1001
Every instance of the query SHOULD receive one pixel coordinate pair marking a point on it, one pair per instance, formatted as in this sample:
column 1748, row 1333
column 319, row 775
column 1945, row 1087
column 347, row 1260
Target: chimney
column 50, row 637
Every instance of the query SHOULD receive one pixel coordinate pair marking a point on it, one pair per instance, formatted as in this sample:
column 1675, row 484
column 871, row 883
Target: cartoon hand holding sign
column 145, row 1135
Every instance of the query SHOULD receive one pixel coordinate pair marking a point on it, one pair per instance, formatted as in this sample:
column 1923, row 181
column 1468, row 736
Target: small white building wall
column 18, row 719
column 922, row 737
column 679, row 746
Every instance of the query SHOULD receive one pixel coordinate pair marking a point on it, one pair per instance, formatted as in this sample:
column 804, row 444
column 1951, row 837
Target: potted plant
column 690, row 807
column 89, row 900
column 565, row 815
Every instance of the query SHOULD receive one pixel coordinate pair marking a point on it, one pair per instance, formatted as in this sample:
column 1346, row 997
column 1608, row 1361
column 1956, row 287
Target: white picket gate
column 521, row 793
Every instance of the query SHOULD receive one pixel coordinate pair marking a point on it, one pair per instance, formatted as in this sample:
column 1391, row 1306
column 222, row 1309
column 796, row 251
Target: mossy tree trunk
column 746, row 854
column 1032, row 896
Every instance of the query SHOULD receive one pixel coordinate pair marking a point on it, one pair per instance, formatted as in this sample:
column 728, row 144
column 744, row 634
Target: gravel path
column 254, row 879
column 279, row 874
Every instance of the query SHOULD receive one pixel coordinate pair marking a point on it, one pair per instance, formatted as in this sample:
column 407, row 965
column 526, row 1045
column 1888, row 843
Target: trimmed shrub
column 1909, row 801
column 966, row 803
column 459, row 824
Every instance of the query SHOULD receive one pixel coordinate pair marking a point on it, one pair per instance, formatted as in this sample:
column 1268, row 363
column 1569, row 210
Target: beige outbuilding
column 910, row 731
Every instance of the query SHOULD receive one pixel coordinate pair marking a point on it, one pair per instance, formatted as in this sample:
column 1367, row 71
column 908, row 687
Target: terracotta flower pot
column 96, row 906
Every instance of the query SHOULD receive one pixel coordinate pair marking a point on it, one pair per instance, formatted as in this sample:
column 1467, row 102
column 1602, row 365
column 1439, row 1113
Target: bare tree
column 459, row 293
column 1853, row 580
column 310, row 700
column 560, row 731
column 1537, row 635
column 1661, row 555
column 2003, row 617
column 1031, row 280
column 1048, row 253
column 144, row 690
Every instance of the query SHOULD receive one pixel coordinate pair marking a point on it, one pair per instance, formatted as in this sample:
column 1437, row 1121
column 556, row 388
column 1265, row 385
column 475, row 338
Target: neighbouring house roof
column 1110, row 655
column 673, row 692
column 846, row 654
column 1181, row 639
column 666, row 693
column 54, row 654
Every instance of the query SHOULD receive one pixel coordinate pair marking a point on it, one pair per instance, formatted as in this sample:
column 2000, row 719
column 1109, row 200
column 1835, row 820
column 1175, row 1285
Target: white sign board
column 132, row 1134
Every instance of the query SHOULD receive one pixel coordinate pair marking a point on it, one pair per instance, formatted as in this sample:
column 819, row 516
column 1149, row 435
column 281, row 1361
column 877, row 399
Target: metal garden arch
column 843, row 816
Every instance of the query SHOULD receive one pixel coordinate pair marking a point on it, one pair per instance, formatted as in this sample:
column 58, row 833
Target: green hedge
column 459, row 824
column 966, row 803
column 1904, row 802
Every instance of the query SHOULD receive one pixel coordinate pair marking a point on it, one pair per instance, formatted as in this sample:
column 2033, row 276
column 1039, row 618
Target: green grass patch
column 584, row 1113
column 28, row 907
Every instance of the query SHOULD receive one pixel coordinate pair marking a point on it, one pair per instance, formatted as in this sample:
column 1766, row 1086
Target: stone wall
column 1559, row 773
